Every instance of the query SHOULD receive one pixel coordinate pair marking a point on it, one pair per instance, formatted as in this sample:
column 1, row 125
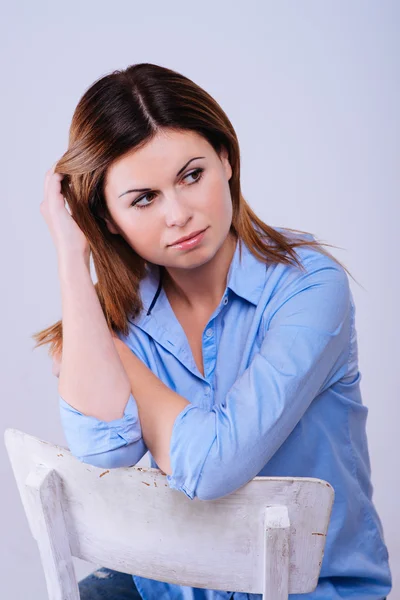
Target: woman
column 229, row 355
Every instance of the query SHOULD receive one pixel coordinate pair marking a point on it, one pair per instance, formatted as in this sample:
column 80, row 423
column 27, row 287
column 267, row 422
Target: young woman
column 225, row 347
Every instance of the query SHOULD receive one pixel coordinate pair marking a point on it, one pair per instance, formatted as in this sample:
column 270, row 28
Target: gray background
column 312, row 89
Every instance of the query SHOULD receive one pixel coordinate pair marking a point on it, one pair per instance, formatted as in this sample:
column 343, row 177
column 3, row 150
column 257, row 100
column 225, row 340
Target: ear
column 225, row 160
column 111, row 227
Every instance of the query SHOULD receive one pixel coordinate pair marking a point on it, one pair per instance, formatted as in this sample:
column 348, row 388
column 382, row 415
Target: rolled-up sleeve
column 305, row 347
column 106, row 444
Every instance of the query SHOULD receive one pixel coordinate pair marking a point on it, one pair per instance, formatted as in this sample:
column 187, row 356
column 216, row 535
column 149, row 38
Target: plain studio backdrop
column 313, row 91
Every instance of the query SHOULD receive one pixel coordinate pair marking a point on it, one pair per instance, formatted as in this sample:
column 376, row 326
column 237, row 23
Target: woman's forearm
column 158, row 406
column 92, row 377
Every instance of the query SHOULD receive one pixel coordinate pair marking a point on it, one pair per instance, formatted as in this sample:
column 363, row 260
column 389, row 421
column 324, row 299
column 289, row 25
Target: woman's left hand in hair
column 67, row 236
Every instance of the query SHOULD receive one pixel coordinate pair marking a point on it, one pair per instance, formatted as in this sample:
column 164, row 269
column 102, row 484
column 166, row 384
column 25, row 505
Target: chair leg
column 276, row 553
column 43, row 492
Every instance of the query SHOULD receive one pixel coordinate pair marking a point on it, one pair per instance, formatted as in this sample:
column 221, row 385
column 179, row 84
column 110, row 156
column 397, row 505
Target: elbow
column 108, row 445
column 221, row 478
column 208, row 494
column 211, row 486
column 212, row 491
column 124, row 456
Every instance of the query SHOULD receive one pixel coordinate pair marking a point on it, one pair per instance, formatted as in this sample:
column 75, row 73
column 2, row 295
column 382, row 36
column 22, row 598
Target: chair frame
column 268, row 537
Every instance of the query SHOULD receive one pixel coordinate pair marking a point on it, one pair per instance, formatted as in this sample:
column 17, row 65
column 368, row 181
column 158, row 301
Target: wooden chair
column 267, row 537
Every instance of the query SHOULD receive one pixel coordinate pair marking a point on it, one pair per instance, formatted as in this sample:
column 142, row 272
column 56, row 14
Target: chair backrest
column 267, row 537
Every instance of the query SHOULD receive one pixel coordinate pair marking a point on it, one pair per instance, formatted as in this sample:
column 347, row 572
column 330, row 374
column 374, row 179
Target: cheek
column 144, row 237
column 218, row 201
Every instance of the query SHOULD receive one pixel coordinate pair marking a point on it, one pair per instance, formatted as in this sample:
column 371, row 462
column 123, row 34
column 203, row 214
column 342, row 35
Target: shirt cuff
column 87, row 435
column 193, row 434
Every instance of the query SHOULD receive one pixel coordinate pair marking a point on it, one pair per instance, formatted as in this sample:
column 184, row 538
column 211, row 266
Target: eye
column 198, row 172
column 135, row 203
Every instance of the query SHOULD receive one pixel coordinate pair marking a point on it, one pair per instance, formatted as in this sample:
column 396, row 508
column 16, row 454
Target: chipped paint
column 68, row 495
column 101, row 574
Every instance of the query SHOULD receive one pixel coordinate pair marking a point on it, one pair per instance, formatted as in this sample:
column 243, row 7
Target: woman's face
column 174, row 205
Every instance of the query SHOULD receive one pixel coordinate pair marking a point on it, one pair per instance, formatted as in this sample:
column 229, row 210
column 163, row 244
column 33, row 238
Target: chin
column 194, row 259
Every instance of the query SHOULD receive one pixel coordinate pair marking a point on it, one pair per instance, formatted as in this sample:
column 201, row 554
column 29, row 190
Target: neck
column 201, row 289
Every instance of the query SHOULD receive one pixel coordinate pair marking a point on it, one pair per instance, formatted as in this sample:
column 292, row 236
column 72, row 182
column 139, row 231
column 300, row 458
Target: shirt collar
column 246, row 278
column 247, row 274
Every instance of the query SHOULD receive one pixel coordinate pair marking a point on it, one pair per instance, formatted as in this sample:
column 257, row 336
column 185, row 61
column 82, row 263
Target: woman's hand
column 67, row 236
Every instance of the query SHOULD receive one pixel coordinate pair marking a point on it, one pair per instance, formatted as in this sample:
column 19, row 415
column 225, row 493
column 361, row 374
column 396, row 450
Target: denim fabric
column 106, row 584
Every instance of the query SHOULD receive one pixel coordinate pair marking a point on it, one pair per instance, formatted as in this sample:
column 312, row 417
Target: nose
column 176, row 211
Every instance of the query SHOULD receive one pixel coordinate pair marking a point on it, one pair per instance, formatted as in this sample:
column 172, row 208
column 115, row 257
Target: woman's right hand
column 67, row 236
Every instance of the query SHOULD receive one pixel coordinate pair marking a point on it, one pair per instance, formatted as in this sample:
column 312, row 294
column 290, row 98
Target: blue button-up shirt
column 280, row 396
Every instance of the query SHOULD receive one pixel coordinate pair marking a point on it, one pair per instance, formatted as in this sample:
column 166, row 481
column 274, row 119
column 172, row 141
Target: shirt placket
column 210, row 349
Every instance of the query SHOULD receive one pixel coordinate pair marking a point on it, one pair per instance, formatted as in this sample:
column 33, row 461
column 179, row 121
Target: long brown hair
column 123, row 111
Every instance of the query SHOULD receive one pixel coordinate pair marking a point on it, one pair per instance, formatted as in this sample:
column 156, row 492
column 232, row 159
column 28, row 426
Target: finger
column 50, row 174
column 54, row 190
column 47, row 178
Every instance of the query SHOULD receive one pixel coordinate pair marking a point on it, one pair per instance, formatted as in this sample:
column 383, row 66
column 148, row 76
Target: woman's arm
column 92, row 378
column 119, row 443
column 210, row 453
column 158, row 406
column 98, row 413
column 105, row 444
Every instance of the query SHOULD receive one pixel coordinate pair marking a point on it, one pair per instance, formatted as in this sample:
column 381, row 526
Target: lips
column 188, row 237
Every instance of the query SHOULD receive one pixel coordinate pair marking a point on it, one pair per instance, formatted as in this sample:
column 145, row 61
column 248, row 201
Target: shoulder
column 321, row 286
column 313, row 261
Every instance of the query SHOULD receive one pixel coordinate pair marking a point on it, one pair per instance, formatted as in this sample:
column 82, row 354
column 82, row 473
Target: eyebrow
column 178, row 173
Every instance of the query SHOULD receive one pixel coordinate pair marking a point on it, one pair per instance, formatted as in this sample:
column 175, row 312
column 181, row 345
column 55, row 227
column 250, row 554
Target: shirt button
column 225, row 300
column 209, row 332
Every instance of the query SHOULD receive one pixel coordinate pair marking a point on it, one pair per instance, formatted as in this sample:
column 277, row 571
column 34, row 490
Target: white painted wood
column 129, row 520
column 43, row 492
column 276, row 548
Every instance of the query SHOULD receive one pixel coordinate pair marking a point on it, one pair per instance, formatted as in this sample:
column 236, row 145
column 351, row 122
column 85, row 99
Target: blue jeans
column 105, row 584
